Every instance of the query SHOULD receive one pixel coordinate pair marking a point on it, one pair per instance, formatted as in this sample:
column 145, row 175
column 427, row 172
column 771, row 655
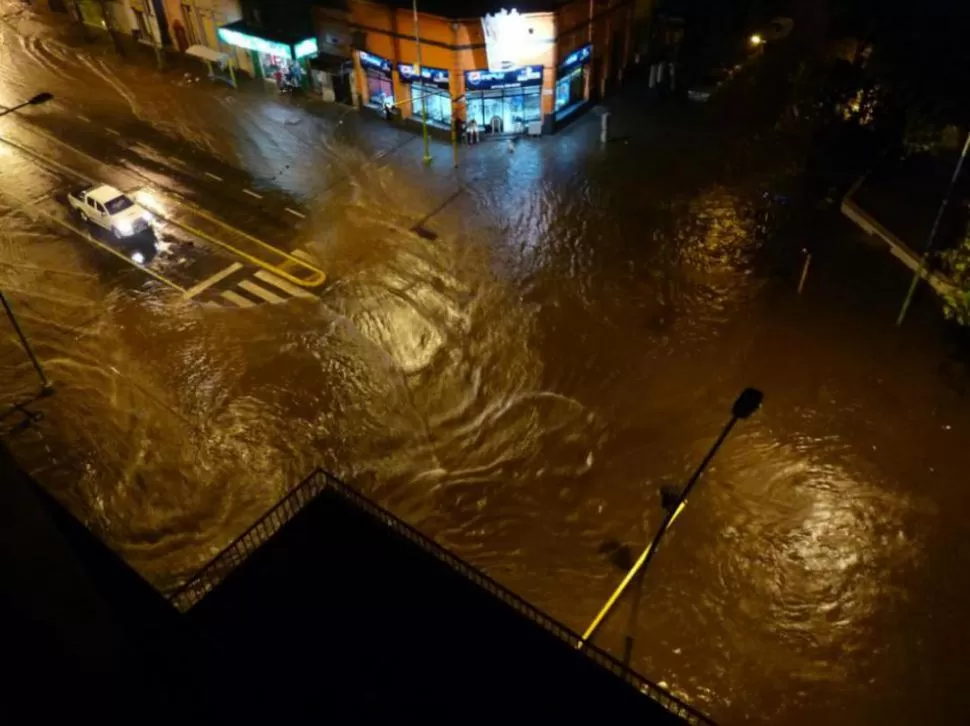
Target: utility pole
column 424, row 103
column 931, row 240
column 455, row 76
column 109, row 26
column 80, row 20
column 454, row 138
column 746, row 404
column 156, row 39
column 45, row 385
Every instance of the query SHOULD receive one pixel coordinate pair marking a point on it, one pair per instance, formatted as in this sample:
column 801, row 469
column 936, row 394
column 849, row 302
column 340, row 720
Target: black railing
column 209, row 577
column 236, row 552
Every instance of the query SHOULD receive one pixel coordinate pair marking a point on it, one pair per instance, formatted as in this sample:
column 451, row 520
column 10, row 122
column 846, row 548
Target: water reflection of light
column 146, row 199
column 807, row 555
column 714, row 231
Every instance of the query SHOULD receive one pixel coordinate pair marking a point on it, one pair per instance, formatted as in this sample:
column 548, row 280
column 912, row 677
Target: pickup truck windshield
column 119, row 204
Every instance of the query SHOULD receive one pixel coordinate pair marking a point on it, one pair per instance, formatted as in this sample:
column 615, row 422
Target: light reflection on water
column 520, row 389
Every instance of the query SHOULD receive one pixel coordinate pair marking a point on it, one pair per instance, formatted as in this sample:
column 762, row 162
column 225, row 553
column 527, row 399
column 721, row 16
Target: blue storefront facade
column 505, row 101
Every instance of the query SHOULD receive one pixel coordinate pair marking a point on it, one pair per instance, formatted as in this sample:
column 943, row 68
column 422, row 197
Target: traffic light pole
column 424, row 103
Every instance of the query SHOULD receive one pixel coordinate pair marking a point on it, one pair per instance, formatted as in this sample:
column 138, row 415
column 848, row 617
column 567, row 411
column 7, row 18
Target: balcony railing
column 209, row 577
column 236, row 552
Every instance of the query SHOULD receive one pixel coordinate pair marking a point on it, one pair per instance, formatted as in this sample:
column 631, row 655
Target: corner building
column 527, row 68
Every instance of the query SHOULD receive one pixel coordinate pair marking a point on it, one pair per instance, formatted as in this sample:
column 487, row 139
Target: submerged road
column 519, row 378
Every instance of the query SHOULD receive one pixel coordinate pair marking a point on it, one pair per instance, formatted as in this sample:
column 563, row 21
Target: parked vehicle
column 111, row 210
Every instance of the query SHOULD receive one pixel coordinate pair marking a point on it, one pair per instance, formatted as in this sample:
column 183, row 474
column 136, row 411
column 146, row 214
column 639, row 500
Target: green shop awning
column 242, row 35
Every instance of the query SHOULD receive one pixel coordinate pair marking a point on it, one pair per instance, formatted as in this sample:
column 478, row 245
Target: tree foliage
column 956, row 265
column 919, row 54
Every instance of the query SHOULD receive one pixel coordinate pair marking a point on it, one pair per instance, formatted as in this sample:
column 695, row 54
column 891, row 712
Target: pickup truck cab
column 108, row 208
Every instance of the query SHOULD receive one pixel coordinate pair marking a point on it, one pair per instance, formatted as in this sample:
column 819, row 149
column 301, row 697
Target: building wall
column 455, row 45
column 200, row 19
column 606, row 24
column 116, row 11
column 459, row 45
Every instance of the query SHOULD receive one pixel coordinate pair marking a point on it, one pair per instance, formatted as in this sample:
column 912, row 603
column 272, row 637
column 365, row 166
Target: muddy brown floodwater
column 522, row 386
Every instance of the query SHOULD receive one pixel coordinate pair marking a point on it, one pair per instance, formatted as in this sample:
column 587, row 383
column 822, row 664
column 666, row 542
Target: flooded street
column 518, row 383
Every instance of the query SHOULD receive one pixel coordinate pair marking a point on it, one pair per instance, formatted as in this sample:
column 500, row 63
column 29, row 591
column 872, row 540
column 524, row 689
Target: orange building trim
column 383, row 36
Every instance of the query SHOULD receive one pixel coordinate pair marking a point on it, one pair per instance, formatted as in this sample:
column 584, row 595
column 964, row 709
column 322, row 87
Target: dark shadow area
column 85, row 638
column 343, row 612
column 385, row 624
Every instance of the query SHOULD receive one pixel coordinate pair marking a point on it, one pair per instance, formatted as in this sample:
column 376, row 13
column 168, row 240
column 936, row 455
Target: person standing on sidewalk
column 473, row 132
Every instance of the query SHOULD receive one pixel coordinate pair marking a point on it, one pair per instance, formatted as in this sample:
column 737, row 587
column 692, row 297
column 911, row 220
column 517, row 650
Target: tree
column 956, row 264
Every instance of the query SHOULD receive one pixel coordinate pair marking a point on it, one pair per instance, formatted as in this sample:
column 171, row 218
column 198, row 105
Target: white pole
column 808, row 262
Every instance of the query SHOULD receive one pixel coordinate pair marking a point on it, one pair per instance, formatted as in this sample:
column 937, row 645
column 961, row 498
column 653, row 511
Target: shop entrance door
column 341, row 86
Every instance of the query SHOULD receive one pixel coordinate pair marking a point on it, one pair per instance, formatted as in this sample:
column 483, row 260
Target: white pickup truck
column 109, row 208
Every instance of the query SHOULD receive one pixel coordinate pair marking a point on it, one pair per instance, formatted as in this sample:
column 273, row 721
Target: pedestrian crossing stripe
column 291, row 290
column 261, row 292
column 237, row 299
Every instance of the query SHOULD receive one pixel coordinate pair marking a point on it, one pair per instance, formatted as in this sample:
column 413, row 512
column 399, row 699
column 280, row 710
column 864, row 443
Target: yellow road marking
column 604, row 611
column 237, row 299
column 304, row 256
column 318, row 278
column 261, row 292
column 283, row 285
column 209, row 282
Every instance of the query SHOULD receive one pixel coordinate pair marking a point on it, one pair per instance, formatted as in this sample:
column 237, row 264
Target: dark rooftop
column 360, row 614
column 84, row 637
column 326, row 607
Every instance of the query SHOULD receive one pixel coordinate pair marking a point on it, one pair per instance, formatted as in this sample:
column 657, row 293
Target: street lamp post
column 46, row 386
column 746, row 404
column 424, row 103
column 35, row 101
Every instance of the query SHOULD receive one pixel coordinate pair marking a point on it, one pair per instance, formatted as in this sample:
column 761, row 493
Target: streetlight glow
column 756, row 40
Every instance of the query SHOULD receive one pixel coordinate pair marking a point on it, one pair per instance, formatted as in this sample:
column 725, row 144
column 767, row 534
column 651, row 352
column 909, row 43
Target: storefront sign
column 251, row 42
column 306, row 48
column 577, row 57
column 437, row 76
column 484, row 80
column 369, row 60
column 507, row 40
